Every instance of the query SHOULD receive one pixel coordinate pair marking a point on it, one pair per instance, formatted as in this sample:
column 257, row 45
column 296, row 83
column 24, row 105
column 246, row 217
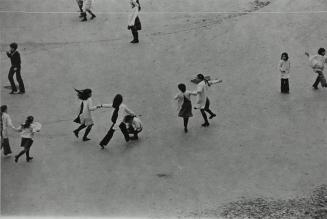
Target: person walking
column 117, row 119
column 5, row 123
column 87, row 7
column 203, row 102
column 85, row 117
column 184, row 104
column 15, row 68
column 317, row 63
column 134, row 23
column 284, row 68
column 27, row 131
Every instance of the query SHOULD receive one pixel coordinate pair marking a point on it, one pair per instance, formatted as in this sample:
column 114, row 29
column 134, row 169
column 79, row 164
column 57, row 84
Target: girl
column 317, row 63
column 284, row 67
column 5, row 122
column 27, row 133
column 87, row 6
column 134, row 23
column 203, row 102
column 117, row 119
column 184, row 104
column 85, row 117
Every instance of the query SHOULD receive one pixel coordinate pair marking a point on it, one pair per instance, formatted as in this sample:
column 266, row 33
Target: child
column 117, row 117
column 5, row 122
column 85, row 116
column 134, row 23
column 203, row 102
column 133, row 125
column 317, row 63
column 184, row 104
column 27, row 133
column 284, row 67
column 14, row 56
column 87, row 6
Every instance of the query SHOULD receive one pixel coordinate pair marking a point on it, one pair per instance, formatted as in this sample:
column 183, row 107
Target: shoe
column 134, row 41
column 75, row 133
column 84, row 19
column 213, row 115
column 93, row 16
column 86, row 139
column 315, row 87
column 16, row 159
column 13, row 92
column 102, row 146
column 185, row 130
column 29, row 159
column 21, row 92
column 205, row 124
column 133, row 138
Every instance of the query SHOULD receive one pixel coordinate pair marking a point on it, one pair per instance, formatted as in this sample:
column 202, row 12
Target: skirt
column 26, row 143
column 186, row 109
column 137, row 24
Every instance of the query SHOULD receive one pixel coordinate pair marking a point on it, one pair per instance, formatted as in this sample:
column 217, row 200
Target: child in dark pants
column 14, row 56
column 27, row 131
column 317, row 63
column 284, row 68
column 133, row 125
column 134, row 23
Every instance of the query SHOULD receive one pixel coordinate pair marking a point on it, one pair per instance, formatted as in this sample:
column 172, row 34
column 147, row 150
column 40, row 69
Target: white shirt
column 180, row 98
column 201, row 90
column 6, row 121
column 28, row 132
column 137, row 124
column 87, row 108
column 132, row 15
column 284, row 68
column 317, row 62
column 122, row 112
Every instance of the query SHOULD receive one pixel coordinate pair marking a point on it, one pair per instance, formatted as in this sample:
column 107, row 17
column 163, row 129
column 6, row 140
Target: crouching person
column 133, row 125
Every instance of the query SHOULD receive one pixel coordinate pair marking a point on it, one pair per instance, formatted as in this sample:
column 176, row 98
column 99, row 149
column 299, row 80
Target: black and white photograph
column 163, row 109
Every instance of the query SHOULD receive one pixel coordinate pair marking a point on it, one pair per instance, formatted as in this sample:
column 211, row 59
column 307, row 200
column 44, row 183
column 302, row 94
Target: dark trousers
column 284, row 85
column 206, row 109
column 6, row 146
column 111, row 132
column 18, row 77
column 320, row 78
column 135, row 34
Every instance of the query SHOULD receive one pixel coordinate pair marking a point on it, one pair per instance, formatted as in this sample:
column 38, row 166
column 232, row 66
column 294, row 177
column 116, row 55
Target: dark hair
column 129, row 118
column 182, row 87
column 137, row 1
column 28, row 122
column 200, row 76
column 284, row 54
column 321, row 51
column 3, row 108
column 13, row 45
column 118, row 99
column 84, row 94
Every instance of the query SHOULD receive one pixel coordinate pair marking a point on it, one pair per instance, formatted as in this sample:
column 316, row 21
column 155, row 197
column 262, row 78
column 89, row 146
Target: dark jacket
column 14, row 58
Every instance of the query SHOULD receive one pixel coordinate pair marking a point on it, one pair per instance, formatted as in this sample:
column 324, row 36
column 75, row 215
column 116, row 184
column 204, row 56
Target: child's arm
column 215, row 81
column 106, row 106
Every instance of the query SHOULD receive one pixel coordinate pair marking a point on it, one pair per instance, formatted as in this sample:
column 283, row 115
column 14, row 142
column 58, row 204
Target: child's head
column 13, row 46
column 284, row 56
column 200, row 76
column 4, row 108
column 118, row 99
column 182, row 87
column 321, row 51
column 28, row 122
column 129, row 119
column 84, row 94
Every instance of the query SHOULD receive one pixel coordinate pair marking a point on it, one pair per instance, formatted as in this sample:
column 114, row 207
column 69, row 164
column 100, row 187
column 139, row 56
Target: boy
column 317, row 63
column 133, row 125
column 14, row 56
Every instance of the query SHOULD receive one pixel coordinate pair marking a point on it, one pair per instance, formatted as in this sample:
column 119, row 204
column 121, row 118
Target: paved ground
column 261, row 144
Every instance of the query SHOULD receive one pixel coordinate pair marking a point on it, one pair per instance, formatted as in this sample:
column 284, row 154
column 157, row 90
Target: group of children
column 122, row 117
column 317, row 63
column 134, row 23
column 26, row 130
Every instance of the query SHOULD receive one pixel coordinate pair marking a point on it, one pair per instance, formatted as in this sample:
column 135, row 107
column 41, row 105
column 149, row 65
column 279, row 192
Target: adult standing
column 85, row 116
column 203, row 102
column 117, row 119
column 318, row 63
column 15, row 68
column 134, row 23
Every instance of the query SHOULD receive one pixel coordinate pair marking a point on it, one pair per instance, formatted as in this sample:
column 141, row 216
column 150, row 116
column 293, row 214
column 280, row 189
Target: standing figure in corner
column 134, row 23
